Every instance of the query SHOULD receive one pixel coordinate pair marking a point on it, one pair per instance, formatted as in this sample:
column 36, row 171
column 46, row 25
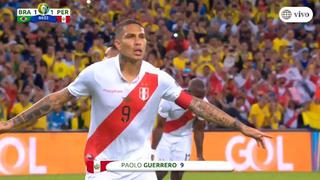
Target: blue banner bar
column 46, row 18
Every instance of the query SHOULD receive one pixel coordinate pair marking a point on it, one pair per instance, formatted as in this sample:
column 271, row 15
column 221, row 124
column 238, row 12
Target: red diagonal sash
column 113, row 125
column 176, row 124
column 292, row 120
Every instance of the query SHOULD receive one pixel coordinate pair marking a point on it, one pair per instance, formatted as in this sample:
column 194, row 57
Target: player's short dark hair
column 119, row 27
column 196, row 82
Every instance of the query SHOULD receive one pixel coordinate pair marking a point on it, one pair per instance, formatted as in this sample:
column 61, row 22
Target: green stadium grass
column 195, row 176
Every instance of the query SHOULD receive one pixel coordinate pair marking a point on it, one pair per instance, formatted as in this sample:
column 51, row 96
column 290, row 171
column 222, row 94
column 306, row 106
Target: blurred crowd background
column 258, row 69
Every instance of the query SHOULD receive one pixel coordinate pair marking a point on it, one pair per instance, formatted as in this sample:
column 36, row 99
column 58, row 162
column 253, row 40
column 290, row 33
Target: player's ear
column 117, row 43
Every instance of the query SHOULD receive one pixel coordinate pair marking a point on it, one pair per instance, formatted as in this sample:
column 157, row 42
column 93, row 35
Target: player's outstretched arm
column 198, row 135
column 39, row 109
column 212, row 113
column 157, row 134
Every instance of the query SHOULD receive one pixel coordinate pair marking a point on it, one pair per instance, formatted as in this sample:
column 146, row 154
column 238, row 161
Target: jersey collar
column 140, row 75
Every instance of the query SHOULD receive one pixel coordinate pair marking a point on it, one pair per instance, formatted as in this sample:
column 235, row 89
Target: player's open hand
column 5, row 126
column 256, row 134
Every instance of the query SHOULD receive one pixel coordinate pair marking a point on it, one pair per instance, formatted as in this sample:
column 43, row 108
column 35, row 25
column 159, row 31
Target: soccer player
column 174, row 128
column 125, row 93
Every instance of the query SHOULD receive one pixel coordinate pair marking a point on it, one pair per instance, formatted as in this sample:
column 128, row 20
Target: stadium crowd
column 258, row 69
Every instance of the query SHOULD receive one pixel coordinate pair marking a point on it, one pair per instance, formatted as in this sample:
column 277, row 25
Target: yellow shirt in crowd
column 3, row 112
column 259, row 113
column 311, row 117
column 85, row 116
column 180, row 62
column 40, row 124
column 278, row 42
column 84, row 61
column 101, row 51
column 273, row 119
column 61, row 70
column 48, row 59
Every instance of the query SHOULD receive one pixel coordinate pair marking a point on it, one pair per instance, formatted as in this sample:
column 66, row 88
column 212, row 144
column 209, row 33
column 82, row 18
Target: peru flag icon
column 63, row 19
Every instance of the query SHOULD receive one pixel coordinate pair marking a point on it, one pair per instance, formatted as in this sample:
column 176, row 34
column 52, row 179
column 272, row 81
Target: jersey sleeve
column 172, row 88
column 174, row 93
column 80, row 86
column 164, row 109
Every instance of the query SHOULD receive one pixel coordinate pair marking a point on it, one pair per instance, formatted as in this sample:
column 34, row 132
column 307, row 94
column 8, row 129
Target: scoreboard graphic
column 43, row 13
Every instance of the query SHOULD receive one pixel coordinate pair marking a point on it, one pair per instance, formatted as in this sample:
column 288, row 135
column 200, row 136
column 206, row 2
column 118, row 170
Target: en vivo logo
column 250, row 160
column 299, row 14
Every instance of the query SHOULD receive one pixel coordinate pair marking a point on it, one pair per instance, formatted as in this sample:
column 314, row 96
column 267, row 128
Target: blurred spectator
column 230, row 59
column 4, row 103
column 290, row 118
column 180, row 61
column 259, row 111
column 205, row 75
column 60, row 68
column 41, row 124
column 305, row 89
column 281, row 90
column 49, row 56
column 236, row 108
column 280, row 41
column 274, row 118
column 178, row 43
column 311, row 114
column 22, row 104
column 80, row 57
column 58, row 119
column 98, row 47
column 154, row 58
column 83, row 113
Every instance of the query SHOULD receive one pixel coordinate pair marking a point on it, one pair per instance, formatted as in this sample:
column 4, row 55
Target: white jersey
column 122, row 113
column 179, row 122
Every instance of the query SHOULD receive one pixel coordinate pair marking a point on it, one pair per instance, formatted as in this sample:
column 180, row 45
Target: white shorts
column 174, row 148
